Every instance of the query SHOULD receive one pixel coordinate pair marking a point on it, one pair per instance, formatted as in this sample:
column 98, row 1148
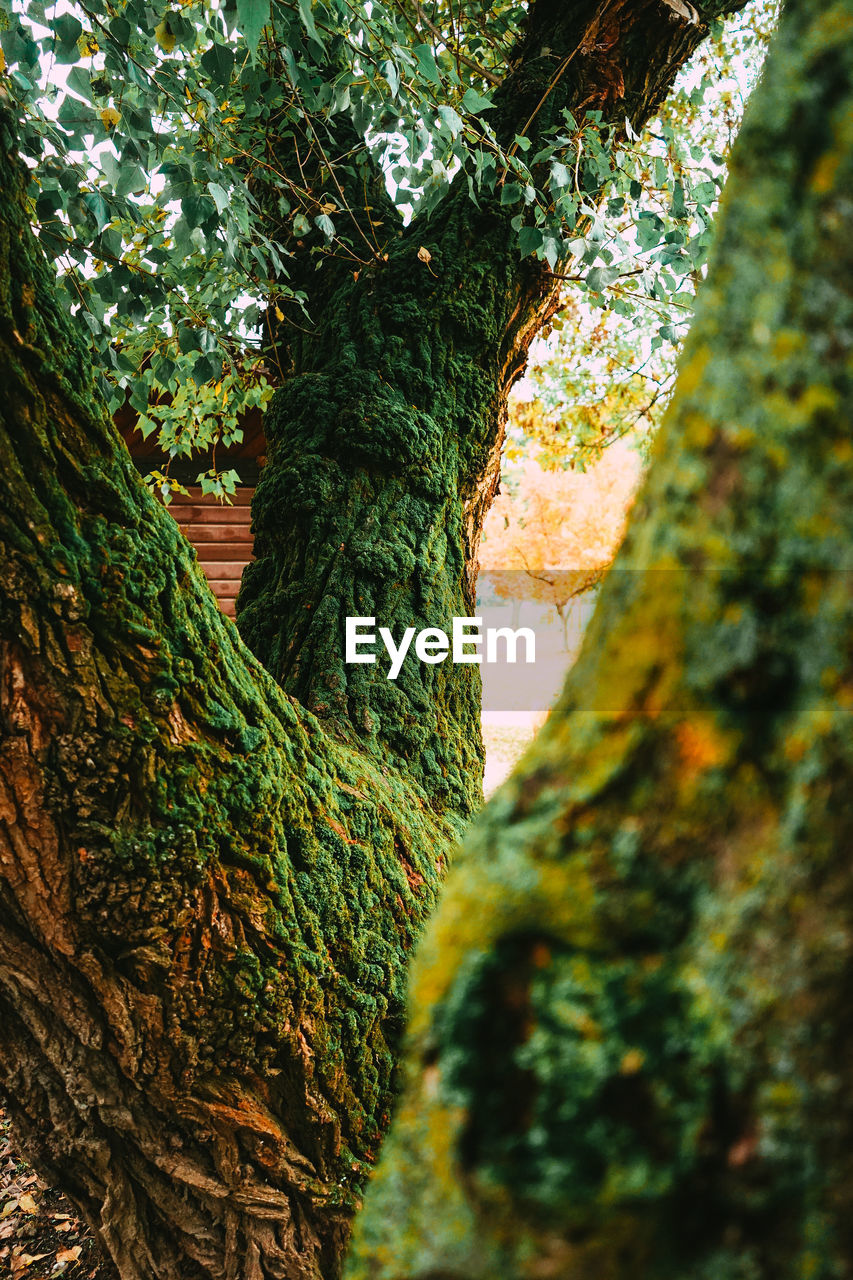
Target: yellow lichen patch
column 816, row 398
column 632, row 1062
column 787, row 342
column 698, row 430
column 844, row 697
column 693, row 371
column 823, row 177
column 833, row 27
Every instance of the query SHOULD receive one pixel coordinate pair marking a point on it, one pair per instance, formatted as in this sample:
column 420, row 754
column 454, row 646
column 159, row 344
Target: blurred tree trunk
column 631, row 1041
column 212, row 871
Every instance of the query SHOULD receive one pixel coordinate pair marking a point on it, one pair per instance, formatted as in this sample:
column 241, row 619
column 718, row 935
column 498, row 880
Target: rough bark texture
column 384, row 446
column 631, row 1034
column 207, row 896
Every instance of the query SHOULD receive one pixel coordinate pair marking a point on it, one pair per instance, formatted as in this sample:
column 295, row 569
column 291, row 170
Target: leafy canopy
column 194, row 168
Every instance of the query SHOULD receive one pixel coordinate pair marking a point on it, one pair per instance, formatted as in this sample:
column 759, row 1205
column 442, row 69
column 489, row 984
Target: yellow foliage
column 163, row 35
column 562, row 528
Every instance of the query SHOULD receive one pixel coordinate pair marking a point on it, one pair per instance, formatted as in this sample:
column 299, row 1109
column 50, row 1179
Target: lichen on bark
column 630, row 1029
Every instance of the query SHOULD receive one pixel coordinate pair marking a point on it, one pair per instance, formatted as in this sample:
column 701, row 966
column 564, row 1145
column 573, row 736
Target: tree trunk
column 631, row 1037
column 206, row 902
column 209, row 888
column 385, row 443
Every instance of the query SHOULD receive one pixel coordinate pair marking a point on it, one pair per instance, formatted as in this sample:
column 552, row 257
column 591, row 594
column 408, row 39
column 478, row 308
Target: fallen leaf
column 69, row 1255
column 21, row 1261
column 27, row 1203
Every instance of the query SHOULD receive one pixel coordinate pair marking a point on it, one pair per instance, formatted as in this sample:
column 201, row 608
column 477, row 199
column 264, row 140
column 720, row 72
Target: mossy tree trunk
column 212, row 871
column 631, row 1042
column 385, row 442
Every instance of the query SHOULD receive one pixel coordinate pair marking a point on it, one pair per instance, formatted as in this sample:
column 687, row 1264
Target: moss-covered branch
column 631, row 1037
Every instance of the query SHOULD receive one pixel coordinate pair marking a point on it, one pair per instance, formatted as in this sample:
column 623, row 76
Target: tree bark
column 208, row 888
column 630, row 1043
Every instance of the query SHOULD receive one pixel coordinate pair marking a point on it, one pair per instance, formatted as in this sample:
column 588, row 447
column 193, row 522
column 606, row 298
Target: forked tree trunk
column 208, row 889
column 631, row 1048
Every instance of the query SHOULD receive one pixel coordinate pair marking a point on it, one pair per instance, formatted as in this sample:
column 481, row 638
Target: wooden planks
column 221, row 535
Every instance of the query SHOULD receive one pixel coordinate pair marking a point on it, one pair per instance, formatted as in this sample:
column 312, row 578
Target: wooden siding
column 222, row 536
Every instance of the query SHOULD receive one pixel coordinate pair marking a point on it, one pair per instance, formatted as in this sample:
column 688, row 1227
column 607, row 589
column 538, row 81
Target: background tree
column 630, row 1041
column 551, row 534
column 213, row 870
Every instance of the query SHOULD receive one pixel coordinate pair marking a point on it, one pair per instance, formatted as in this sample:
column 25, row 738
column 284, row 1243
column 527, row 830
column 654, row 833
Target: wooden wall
column 221, row 535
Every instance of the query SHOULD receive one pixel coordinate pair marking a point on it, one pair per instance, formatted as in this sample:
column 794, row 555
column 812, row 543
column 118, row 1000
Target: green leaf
column 529, row 240
column 252, row 17
column 678, row 207
column 188, row 338
column 67, row 30
column 97, row 207
column 120, row 31
column 218, row 62
column 196, row 210
column 78, row 80
column 131, row 181
column 426, row 64
column 308, row 20
column 451, row 119
column 475, row 102
column 551, row 251
column 392, row 75
column 220, row 195
column 600, row 277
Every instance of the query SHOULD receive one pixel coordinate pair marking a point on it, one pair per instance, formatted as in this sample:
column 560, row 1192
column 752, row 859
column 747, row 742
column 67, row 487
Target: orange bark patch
column 700, row 747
